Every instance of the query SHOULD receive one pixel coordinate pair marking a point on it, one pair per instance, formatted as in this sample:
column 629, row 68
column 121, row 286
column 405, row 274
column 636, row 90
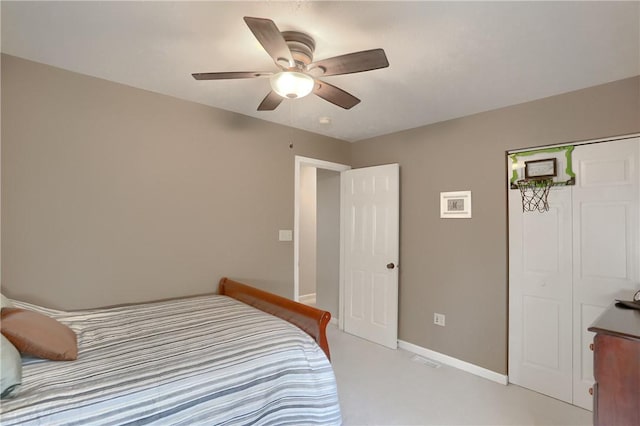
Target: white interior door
column 370, row 218
column 606, row 234
column 540, row 296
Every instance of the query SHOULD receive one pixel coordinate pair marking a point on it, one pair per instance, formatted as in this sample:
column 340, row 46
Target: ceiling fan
column 292, row 51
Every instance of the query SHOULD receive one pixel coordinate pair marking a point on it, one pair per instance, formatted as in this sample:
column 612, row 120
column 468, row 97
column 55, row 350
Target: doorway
column 356, row 279
column 317, row 233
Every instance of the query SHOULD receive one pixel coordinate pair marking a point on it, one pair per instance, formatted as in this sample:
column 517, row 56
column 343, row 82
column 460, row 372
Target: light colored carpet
column 379, row 386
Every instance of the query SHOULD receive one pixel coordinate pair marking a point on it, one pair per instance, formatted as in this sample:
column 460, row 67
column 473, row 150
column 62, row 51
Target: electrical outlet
column 438, row 319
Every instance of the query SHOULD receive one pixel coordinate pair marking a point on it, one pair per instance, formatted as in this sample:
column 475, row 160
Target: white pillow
column 5, row 302
column 11, row 368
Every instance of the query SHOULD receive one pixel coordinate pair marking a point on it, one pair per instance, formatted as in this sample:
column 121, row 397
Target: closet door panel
column 540, row 299
column 604, row 246
column 605, row 242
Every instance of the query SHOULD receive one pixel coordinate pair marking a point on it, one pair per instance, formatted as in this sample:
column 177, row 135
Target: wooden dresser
column 616, row 365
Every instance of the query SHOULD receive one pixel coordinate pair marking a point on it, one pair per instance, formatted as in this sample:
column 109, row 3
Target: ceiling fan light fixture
column 292, row 84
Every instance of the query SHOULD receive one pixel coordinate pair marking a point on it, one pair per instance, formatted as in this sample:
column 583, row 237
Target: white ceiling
column 447, row 59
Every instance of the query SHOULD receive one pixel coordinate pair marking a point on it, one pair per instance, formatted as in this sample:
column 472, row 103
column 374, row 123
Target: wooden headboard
column 311, row 320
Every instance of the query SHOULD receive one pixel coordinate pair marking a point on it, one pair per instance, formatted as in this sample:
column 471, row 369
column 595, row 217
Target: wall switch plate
column 438, row 319
column 285, row 235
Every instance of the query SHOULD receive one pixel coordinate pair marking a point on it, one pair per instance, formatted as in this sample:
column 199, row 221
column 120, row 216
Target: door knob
column 390, row 265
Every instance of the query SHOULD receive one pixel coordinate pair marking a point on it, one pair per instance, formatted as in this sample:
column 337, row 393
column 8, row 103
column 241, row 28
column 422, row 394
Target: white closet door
column 606, row 235
column 567, row 265
column 540, row 297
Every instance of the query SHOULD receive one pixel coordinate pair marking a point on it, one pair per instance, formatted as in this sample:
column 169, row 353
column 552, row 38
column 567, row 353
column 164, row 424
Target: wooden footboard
column 311, row 320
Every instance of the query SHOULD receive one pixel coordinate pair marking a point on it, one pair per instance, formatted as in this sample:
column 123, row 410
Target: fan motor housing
column 301, row 46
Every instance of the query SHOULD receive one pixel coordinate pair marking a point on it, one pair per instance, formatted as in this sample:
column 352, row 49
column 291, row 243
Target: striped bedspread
column 208, row 360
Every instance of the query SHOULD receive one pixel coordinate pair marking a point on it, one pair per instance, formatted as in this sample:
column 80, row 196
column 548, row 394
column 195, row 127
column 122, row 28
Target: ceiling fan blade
column 230, row 75
column 269, row 36
column 365, row 60
column 335, row 95
column 270, row 102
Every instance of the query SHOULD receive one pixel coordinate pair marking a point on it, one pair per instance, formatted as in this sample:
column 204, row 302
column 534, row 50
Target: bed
column 242, row 356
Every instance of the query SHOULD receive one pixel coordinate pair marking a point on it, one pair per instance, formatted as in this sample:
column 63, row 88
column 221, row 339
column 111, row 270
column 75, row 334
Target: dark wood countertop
column 618, row 322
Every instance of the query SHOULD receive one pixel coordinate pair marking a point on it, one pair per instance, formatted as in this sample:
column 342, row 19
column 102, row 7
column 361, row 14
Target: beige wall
column 113, row 194
column 328, row 248
column 459, row 267
column 308, row 232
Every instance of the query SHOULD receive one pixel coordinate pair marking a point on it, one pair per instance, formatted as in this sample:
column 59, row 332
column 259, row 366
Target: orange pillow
column 38, row 335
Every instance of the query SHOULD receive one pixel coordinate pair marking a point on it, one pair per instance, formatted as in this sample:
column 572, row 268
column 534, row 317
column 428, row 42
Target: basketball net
column 535, row 193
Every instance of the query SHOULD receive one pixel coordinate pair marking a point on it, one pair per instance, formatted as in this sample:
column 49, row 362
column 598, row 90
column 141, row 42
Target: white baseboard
column 333, row 321
column 307, row 298
column 454, row 362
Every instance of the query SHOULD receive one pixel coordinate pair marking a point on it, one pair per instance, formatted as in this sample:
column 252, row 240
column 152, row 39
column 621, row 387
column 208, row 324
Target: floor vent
column 426, row 361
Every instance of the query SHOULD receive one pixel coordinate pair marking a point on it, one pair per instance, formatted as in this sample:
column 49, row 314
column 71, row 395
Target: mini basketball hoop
column 545, row 168
column 534, row 194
